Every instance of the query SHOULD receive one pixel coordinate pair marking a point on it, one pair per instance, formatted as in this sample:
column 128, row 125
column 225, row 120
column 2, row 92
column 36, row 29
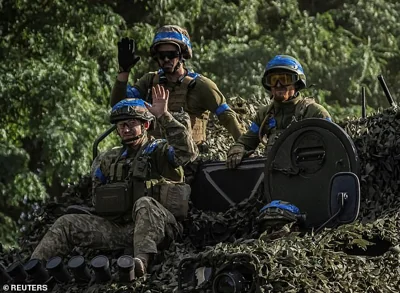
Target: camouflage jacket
column 272, row 119
column 203, row 97
column 166, row 156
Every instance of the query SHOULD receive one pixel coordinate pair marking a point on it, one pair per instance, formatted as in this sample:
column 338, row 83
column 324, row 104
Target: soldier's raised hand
column 160, row 97
column 126, row 55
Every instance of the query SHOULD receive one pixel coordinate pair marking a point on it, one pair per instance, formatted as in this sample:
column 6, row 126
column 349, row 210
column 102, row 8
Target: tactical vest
column 130, row 180
column 268, row 132
column 177, row 101
column 126, row 184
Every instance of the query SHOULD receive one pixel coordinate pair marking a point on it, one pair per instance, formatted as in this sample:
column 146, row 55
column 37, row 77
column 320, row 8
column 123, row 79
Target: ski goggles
column 128, row 123
column 284, row 79
column 169, row 54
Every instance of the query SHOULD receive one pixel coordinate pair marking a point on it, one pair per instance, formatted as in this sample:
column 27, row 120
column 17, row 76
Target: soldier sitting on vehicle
column 284, row 77
column 191, row 91
column 127, row 213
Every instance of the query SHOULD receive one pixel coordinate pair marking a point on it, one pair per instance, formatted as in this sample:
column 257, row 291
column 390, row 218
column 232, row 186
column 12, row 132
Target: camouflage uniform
column 276, row 117
column 151, row 225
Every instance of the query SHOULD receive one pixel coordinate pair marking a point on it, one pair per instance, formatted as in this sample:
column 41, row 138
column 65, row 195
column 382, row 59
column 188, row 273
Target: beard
column 171, row 67
column 281, row 96
column 283, row 93
column 168, row 69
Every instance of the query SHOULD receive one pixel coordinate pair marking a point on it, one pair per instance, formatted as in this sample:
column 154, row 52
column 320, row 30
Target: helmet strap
column 177, row 66
column 130, row 140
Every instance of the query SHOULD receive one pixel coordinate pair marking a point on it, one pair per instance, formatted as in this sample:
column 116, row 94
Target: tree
column 57, row 61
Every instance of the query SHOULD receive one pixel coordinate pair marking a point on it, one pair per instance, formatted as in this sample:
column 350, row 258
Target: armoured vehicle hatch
column 302, row 163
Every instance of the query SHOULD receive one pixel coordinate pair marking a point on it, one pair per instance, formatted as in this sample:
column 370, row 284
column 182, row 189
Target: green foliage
column 54, row 81
column 58, row 61
column 233, row 40
column 18, row 186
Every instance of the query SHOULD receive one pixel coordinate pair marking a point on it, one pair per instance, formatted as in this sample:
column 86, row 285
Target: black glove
column 126, row 55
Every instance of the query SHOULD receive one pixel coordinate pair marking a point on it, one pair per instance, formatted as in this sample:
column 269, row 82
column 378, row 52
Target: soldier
column 191, row 91
column 285, row 78
column 123, row 220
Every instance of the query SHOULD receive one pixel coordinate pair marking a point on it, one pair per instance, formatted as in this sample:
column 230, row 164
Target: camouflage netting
column 359, row 257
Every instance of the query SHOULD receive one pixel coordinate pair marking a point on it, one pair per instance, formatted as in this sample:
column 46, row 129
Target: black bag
column 114, row 199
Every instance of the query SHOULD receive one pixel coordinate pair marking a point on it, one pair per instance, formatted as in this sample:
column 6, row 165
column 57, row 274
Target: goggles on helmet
column 169, row 54
column 131, row 123
column 284, row 79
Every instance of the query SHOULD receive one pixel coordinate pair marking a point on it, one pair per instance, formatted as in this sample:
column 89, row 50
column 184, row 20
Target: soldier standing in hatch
column 191, row 91
column 125, row 221
column 285, row 78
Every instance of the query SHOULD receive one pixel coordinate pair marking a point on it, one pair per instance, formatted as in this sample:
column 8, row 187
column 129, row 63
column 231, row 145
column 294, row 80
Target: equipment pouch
column 113, row 199
column 175, row 198
column 141, row 168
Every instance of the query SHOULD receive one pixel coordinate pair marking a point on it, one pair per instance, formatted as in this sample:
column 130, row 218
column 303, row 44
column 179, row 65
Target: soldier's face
column 128, row 129
column 168, row 57
column 282, row 93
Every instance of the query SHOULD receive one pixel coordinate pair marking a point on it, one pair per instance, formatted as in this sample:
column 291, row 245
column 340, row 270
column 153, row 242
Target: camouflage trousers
column 152, row 226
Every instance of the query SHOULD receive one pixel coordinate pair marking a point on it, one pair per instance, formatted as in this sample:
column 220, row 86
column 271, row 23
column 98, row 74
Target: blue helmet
column 285, row 63
column 172, row 34
column 130, row 109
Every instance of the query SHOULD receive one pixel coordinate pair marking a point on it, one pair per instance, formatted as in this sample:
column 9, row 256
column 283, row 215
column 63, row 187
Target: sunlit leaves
column 55, row 79
column 58, row 63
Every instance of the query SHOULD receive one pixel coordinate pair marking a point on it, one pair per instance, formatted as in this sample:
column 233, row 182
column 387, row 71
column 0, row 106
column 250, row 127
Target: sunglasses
column 169, row 54
column 284, row 79
column 128, row 123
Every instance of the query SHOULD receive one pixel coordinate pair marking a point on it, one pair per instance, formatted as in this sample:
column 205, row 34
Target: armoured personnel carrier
column 243, row 235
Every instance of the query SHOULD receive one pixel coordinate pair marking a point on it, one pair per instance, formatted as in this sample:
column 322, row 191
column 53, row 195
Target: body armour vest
column 133, row 178
column 178, row 96
column 268, row 132
column 129, row 180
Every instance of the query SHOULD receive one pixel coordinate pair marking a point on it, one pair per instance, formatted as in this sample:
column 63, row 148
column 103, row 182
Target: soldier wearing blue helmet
column 196, row 94
column 284, row 77
column 135, row 206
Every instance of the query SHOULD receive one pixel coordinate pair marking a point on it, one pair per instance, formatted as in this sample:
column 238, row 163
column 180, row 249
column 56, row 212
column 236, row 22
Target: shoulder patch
column 152, row 146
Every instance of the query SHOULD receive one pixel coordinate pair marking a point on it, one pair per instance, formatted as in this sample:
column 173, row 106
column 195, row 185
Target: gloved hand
column 235, row 156
column 126, row 55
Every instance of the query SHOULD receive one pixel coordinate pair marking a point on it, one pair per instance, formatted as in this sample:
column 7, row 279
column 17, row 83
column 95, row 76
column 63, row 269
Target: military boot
column 141, row 262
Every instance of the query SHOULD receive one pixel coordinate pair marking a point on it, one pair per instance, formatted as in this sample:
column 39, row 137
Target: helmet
column 130, row 109
column 172, row 34
column 278, row 213
column 285, row 63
